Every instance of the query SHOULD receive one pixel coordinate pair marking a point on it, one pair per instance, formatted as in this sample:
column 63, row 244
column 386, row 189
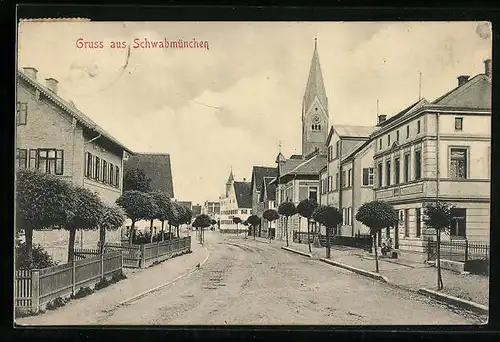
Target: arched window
column 312, row 127
column 319, row 127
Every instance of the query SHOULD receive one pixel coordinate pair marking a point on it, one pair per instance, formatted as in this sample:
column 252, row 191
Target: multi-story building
column 211, row 209
column 256, row 186
column 236, row 202
column 347, row 180
column 267, row 200
column 53, row 136
column 438, row 151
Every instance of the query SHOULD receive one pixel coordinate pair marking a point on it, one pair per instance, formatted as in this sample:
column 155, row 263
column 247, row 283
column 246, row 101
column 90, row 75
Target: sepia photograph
column 252, row 173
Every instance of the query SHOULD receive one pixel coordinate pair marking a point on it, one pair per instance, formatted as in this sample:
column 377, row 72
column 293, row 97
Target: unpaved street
column 251, row 282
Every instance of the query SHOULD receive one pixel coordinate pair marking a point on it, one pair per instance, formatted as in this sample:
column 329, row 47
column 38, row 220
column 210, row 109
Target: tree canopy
column 377, row 215
column 202, row 221
column 306, row 207
column 331, row 217
column 236, row 220
column 318, row 213
column 253, row 220
column 87, row 210
column 287, row 209
column 163, row 204
column 136, row 179
column 438, row 215
column 137, row 205
column 112, row 217
column 271, row 215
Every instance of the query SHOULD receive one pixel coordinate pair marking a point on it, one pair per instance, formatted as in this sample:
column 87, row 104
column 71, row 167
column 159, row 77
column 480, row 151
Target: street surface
column 246, row 281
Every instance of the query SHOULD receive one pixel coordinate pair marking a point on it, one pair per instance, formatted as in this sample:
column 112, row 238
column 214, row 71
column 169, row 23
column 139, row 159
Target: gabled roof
column 311, row 166
column 156, row 166
column 186, row 203
column 475, row 93
column 243, row 194
column 315, row 86
column 269, row 189
column 408, row 109
column 70, row 108
column 258, row 174
column 345, row 131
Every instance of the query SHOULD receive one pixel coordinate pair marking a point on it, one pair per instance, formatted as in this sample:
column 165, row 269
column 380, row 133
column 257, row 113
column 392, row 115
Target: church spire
column 315, row 86
column 231, row 176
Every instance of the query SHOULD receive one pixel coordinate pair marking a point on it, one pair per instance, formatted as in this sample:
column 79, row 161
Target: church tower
column 315, row 120
column 230, row 182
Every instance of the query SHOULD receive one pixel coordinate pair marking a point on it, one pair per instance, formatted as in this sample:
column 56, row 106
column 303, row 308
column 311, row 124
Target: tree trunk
column 28, row 235
column 254, row 231
column 439, row 275
column 71, row 244
column 286, row 231
column 237, row 231
column 131, row 233
column 375, row 249
column 169, row 231
column 162, row 230
column 151, row 231
column 102, row 239
column 178, row 232
column 328, row 250
column 309, row 235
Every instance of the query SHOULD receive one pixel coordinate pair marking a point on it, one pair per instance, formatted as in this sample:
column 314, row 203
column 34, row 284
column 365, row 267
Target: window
column 418, row 127
column 418, row 222
column 111, row 173
column 50, row 161
column 344, row 179
column 344, row 216
column 22, row 158
column 88, row 164
column 418, row 164
column 329, row 183
column 459, row 124
column 337, row 149
column 104, row 171
column 379, row 174
column 380, row 144
column 388, row 172
column 397, row 135
column 407, row 224
column 458, row 163
column 97, row 168
column 117, row 177
column 396, row 170
column 330, row 154
column 458, row 227
column 33, row 160
column 388, row 140
column 313, row 193
column 348, row 216
column 349, row 179
column 406, row 168
column 366, row 176
column 336, row 181
column 407, row 132
column 22, row 113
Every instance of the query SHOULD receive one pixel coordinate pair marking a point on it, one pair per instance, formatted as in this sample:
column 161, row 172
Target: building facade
column 257, row 185
column 54, row 137
column 438, row 151
column 267, row 200
column 212, row 209
column 236, row 202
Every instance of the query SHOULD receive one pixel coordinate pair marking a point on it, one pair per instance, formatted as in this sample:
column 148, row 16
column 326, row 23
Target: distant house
column 256, row 186
column 157, row 167
column 211, row 209
column 267, row 200
column 196, row 210
column 236, row 202
column 54, row 137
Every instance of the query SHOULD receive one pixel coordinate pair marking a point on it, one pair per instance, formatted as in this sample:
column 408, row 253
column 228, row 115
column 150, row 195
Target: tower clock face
column 316, row 119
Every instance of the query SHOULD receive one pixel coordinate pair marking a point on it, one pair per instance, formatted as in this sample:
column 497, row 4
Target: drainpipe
column 341, row 180
column 352, row 200
column 437, row 157
column 93, row 139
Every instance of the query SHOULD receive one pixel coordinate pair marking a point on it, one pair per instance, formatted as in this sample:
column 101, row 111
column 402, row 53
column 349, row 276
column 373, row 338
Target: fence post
column 466, row 250
column 35, row 291
column 73, row 276
column 102, row 266
column 143, row 256
column 157, row 250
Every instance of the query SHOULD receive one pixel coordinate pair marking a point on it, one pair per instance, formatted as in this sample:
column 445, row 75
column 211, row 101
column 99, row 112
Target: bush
column 56, row 303
column 104, row 282
column 117, row 277
column 82, row 292
column 41, row 259
column 479, row 267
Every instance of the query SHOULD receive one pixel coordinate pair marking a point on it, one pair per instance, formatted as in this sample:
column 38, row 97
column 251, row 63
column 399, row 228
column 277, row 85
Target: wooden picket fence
column 35, row 288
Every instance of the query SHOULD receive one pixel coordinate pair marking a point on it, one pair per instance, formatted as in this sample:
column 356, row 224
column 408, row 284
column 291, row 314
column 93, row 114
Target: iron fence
column 461, row 250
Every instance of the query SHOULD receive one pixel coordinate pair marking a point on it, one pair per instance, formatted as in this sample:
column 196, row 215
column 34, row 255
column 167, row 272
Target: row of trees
column 376, row 215
column 45, row 201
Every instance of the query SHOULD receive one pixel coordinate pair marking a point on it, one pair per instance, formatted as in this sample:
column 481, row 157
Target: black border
column 470, row 11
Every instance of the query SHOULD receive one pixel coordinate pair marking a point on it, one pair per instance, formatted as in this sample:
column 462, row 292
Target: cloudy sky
column 231, row 104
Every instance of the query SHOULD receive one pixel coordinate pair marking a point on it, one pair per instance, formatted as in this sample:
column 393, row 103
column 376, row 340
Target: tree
column 137, row 206
column 85, row 214
column 287, row 209
column 136, row 179
column 305, row 209
column 254, row 221
column 42, row 201
column 40, row 257
column 270, row 215
column 237, row 221
column 202, row 221
column 164, row 206
column 112, row 218
column 318, row 217
column 438, row 215
column 330, row 217
column 377, row 215
column 186, row 217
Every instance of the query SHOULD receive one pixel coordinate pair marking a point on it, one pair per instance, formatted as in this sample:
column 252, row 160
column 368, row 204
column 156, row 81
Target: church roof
column 231, row 177
column 243, row 194
column 315, row 85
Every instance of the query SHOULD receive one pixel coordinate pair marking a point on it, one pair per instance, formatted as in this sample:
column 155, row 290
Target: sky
column 230, row 103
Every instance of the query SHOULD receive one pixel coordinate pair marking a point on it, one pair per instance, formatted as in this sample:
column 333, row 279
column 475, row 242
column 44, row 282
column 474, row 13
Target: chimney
column 244, row 179
column 462, row 79
column 30, row 72
column 381, row 118
column 51, row 83
column 487, row 67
